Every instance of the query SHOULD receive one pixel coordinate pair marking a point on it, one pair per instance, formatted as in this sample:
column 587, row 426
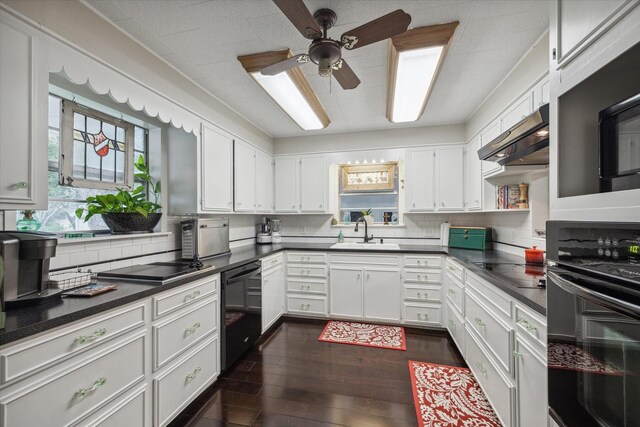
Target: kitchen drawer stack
column 97, row 371
column 454, row 308
column 307, row 283
column 422, row 287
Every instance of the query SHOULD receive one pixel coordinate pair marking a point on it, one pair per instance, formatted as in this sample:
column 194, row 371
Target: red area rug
column 369, row 335
column 574, row 358
column 449, row 396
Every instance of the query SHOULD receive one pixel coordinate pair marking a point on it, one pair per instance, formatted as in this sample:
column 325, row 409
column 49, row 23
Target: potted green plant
column 127, row 211
column 366, row 213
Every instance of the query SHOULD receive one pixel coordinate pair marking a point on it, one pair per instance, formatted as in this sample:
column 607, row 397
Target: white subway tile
column 135, row 250
column 69, row 248
column 119, row 243
column 59, row 261
column 86, row 257
column 109, row 254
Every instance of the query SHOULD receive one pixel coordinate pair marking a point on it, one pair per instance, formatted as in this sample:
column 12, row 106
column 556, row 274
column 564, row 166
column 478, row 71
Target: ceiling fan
column 327, row 52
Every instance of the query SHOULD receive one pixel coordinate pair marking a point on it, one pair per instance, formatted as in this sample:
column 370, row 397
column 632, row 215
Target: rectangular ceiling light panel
column 289, row 97
column 414, row 77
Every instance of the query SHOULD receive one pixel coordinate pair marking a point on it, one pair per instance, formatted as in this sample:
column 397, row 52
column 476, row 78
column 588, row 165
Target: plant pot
column 370, row 219
column 131, row 223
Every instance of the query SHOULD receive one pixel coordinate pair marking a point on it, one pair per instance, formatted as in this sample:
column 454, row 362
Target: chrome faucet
column 367, row 238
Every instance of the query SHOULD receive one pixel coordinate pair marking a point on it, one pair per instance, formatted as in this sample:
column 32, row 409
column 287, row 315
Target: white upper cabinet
column 487, row 135
column 541, row 93
column 24, row 85
column 244, row 162
column 286, row 182
column 217, row 170
column 421, row 180
column 474, row 178
column 312, row 184
column 264, row 182
column 450, row 179
column 518, row 111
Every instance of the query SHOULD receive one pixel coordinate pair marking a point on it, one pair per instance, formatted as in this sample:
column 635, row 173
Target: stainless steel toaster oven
column 204, row 237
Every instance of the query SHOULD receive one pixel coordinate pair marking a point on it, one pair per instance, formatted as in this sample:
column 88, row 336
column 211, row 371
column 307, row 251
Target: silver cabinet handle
column 414, row 205
column 368, row 276
column 21, row 185
column 192, row 329
column 451, row 269
column 452, row 323
column 190, row 377
column 320, row 206
column 274, row 261
column 517, row 354
column 442, row 204
column 426, row 316
column 79, row 394
column 358, row 276
column 293, row 206
column 481, row 368
column 525, row 324
column 452, row 292
column 82, row 339
column 480, row 322
column 191, row 296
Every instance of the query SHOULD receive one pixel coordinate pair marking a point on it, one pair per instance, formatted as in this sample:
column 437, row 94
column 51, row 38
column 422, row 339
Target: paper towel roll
column 444, row 233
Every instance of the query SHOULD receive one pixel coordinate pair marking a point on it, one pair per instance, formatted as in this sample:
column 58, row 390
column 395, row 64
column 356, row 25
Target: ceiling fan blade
column 287, row 64
column 300, row 17
column 345, row 75
column 382, row 28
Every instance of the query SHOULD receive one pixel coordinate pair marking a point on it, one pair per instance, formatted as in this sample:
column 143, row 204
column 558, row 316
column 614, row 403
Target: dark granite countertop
column 24, row 322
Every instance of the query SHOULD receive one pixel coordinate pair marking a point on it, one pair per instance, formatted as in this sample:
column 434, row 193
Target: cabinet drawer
column 307, row 286
column 428, row 294
column 178, row 386
column 271, row 262
column 174, row 335
column 307, row 258
column 455, row 269
column 423, row 313
column 32, row 355
column 422, row 276
column 496, row 386
column 361, row 260
column 67, row 395
column 414, row 261
column 531, row 325
column 494, row 298
column 129, row 410
column 174, row 299
column 306, row 271
column 455, row 293
column 307, row 305
column 455, row 325
column 497, row 335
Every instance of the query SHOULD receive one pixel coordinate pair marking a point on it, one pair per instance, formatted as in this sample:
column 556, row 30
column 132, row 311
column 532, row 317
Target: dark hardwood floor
column 292, row 379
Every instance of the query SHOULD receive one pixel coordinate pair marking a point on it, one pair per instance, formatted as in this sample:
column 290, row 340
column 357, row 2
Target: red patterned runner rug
column 381, row 336
column 449, row 396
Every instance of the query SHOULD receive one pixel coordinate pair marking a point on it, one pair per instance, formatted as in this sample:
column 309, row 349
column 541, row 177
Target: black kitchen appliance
column 155, row 272
column 593, row 315
column 26, row 259
column 620, row 146
column 241, row 311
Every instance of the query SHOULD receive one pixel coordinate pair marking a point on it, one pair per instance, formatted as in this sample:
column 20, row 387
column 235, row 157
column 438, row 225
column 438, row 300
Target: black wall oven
column 620, row 146
column 593, row 314
column 241, row 306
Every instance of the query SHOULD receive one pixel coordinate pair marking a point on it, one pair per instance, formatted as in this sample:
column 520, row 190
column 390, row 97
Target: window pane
column 78, row 158
column 61, row 217
column 120, row 134
column 120, row 167
column 140, row 139
column 54, row 148
column 109, row 130
column 93, row 163
column 78, row 121
column 93, row 125
column 54, row 112
column 108, row 166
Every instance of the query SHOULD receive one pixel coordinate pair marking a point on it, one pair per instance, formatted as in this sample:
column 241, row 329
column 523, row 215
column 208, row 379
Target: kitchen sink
column 367, row 246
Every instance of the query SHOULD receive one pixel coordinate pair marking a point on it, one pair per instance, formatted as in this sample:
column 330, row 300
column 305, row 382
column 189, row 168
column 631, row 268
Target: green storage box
column 479, row 238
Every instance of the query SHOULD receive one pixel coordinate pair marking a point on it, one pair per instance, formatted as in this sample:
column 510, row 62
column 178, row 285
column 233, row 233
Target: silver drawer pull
column 96, row 385
column 82, row 339
column 452, row 292
column 452, row 324
column 191, row 296
column 480, row 322
column 21, row 185
column 525, row 324
column 426, row 316
column 275, row 261
column 190, row 377
column 451, row 269
column 192, row 329
column 481, row 368
column 517, row 354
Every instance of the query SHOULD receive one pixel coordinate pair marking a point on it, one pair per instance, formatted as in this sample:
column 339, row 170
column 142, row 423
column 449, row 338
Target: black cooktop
column 520, row 275
column 154, row 272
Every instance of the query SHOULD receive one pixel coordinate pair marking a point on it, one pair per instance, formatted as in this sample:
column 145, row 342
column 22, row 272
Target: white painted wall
column 99, row 37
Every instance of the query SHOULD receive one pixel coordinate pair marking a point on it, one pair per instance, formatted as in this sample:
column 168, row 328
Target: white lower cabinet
column 531, row 379
column 129, row 410
column 382, row 295
column 425, row 314
column 306, row 284
column 455, row 326
column 272, row 291
column 346, row 292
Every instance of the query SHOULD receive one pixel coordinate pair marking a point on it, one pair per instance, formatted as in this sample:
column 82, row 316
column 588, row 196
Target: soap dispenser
column 340, row 237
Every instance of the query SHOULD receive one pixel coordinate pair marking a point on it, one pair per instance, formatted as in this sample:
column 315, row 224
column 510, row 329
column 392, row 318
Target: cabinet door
column 272, row 297
column 382, row 294
column 450, row 179
column 244, row 162
column 217, row 170
column 474, row 178
column 24, row 82
column 531, row 390
column 286, row 193
column 541, row 93
column 487, row 135
column 518, row 111
column 346, row 292
column 312, row 184
column 421, row 180
column 264, row 182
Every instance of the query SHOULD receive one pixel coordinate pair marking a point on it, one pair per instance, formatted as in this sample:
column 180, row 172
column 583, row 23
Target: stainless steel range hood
column 525, row 143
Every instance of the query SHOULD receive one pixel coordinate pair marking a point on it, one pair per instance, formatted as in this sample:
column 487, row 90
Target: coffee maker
column 26, row 262
column 264, row 232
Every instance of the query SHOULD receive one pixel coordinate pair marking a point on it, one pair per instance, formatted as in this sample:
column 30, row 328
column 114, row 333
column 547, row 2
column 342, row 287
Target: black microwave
column 620, row 146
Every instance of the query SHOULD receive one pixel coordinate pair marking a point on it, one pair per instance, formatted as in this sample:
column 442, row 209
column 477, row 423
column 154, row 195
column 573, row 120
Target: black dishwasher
column 241, row 306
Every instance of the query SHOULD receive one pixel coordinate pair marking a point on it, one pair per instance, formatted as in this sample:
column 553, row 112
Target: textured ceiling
column 203, row 38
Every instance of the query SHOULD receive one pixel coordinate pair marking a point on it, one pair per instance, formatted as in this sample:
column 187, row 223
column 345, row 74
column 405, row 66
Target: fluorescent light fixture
column 414, row 77
column 542, row 133
column 415, row 60
column 287, row 95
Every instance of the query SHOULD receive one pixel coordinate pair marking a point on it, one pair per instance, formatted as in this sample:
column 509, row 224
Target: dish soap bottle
column 340, row 237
